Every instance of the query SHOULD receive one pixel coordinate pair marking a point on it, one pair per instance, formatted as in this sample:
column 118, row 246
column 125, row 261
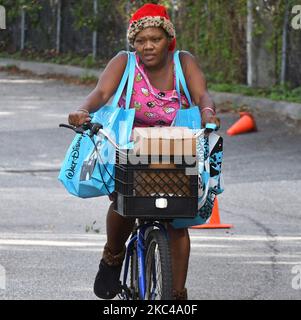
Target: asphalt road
column 47, row 253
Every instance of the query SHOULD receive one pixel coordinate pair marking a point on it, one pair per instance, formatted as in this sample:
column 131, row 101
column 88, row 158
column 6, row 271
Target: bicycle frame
column 138, row 236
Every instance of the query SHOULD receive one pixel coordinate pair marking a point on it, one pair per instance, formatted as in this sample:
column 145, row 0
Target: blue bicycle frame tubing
column 141, row 261
column 129, row 253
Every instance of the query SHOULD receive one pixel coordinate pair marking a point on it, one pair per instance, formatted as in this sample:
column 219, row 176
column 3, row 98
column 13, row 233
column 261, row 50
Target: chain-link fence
column 214, row 31
column 66, row 26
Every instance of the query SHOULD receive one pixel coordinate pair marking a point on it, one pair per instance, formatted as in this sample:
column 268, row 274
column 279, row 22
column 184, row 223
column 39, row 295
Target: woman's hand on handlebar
column 78, row 118
column 210, row 118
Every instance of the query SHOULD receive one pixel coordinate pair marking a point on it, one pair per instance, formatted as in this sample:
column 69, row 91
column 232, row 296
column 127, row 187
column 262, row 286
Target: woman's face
column 152, row 45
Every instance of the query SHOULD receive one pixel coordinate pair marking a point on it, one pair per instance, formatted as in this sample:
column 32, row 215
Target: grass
column 277, row 93
column 88, row 80
column 84, row 61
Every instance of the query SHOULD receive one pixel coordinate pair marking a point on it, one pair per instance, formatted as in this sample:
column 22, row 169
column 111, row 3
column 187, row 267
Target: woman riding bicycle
column 152, row 35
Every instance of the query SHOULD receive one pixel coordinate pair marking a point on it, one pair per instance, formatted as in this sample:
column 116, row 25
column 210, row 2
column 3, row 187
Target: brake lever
column 94, row 128
column 80, row 130
column 87, row 126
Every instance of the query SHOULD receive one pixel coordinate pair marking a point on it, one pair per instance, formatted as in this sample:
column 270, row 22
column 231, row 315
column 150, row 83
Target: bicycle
column 148, row 256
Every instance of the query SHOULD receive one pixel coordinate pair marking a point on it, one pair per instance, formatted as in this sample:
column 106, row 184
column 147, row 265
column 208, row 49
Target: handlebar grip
column 211, row 127
column 63, row 125
column 79, row 129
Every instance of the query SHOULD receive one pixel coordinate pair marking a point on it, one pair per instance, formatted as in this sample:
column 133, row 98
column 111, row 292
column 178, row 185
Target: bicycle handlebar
column 93, row 127
column 96, row 128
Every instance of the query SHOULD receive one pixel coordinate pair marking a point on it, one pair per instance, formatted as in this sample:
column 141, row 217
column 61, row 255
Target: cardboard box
column 164, row 141
column 162, row 165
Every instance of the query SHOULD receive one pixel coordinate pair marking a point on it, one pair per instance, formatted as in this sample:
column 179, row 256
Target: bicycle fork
column 138, row 238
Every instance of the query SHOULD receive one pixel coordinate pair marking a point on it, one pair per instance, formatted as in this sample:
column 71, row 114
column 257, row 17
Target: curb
column 282, row 108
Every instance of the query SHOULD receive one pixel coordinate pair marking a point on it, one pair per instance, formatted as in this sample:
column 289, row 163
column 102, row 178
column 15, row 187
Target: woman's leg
column 180, row 251
column 118, row 230
column 107, row 284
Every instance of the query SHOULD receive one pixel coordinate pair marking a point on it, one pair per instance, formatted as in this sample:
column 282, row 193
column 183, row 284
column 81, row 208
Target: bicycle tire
column 134, row 282
column 158, row 265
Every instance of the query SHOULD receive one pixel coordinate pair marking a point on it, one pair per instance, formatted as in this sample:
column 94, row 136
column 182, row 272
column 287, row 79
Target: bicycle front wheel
column 134, row 281
column 158, row 267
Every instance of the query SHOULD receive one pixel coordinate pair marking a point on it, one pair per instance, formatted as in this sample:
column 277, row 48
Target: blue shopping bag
column 88, row 169
column 209, row 151
column 190, row 117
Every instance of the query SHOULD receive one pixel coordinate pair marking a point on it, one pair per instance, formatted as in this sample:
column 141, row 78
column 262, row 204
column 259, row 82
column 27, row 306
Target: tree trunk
column 128, row 8
column 94, row 36
column 250, row 81
column 284, row 44
column 2, row 18
column 174, row 8
column 58, row 26
column 23, row 17
column 261, row 45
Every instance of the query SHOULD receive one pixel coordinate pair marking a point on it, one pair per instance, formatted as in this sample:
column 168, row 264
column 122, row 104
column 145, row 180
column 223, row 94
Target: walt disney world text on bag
column 88, row 169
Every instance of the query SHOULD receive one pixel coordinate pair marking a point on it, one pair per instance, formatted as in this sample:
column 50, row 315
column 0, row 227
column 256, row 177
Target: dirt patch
column 85, row 81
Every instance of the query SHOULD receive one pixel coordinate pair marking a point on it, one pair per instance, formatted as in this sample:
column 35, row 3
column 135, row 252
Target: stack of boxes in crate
column 162, row 165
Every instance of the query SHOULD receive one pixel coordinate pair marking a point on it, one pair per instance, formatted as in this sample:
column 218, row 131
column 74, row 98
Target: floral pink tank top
column 153, row 107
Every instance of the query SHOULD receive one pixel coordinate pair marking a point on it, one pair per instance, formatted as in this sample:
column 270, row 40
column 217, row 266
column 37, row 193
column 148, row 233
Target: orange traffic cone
column 246, row 123
column 214, row 222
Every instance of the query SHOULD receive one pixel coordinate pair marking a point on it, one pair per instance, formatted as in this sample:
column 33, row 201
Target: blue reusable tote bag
column 119, row 129
column 89, row 166
column 190, row 117
column 209, row 153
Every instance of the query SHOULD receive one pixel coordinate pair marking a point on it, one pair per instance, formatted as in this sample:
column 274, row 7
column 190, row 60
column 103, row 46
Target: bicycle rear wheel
column 158, row 267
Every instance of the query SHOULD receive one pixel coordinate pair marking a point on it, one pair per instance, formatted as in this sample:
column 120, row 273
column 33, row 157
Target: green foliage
column 88, row 78
column 278, row 93
column 84, row 17
column 212, row 30
column 31, row 7
column 215, row 34
column 52, row 57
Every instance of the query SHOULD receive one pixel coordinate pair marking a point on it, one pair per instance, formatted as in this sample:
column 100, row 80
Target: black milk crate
column 139, row 186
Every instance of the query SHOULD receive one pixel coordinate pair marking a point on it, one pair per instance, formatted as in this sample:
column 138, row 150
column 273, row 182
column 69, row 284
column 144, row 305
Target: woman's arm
column 197, row 87
column 106, row 86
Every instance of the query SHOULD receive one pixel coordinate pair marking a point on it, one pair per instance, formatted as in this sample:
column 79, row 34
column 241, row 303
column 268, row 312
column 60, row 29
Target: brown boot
column 179, row 295
column 111, row 259
column 107, row 284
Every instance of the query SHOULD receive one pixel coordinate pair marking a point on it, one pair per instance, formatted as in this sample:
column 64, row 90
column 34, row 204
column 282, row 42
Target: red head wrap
column 151, row 15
